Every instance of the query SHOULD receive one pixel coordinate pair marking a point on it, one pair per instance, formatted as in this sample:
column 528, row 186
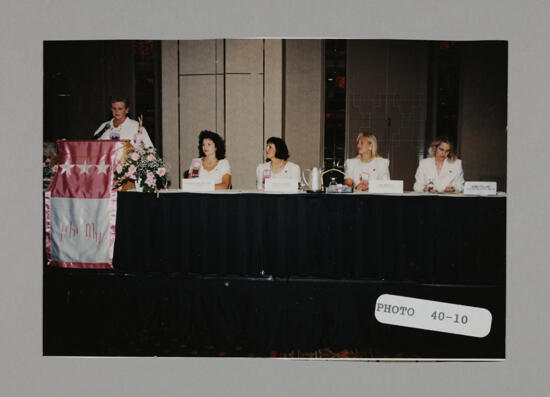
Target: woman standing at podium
column 277, row 164
column 367, row 166
column 442, row 172
column 211, row 163
column 121, row 126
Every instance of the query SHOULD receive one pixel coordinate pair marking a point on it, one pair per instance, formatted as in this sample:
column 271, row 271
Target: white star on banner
column 66, row 167
column 83, row 167
column 102, row 168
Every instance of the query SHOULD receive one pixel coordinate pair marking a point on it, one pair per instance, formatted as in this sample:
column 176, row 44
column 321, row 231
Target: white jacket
column 376, row 169
column 451, row 174
column 127, row 130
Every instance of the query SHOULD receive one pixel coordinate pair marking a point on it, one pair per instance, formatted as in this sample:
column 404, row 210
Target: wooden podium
column 127, row 185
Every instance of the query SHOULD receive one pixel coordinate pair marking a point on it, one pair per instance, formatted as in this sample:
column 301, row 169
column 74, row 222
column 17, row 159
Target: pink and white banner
column 80, row 205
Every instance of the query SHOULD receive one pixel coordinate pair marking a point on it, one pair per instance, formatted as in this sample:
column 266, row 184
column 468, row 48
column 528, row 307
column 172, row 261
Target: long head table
column 431, row 238
column 242, row 273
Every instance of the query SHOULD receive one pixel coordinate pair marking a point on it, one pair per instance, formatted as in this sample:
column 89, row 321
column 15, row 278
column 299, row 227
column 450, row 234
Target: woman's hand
column 449, row 189
column 226, row 183
column 363, row 186
column 348, row 182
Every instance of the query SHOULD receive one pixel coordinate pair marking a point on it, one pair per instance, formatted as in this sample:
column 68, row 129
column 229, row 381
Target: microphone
column 107, row 126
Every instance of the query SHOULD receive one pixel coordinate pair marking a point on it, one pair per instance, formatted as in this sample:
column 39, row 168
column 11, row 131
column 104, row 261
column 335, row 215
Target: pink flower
column 150, row 179
column 118, row 169
column 161, row 171
column 132, row 169
column 150, row 157
column 138, row 138
column 134, row 156
column 55, row 168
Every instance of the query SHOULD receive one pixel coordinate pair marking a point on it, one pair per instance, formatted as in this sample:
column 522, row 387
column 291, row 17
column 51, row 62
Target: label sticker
column 480, row 188
column 433, row 315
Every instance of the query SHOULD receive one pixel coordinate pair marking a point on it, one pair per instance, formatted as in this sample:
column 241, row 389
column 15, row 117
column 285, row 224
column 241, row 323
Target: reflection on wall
column 335, row 104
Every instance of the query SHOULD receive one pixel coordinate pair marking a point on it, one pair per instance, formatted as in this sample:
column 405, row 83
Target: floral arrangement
column 142, row 166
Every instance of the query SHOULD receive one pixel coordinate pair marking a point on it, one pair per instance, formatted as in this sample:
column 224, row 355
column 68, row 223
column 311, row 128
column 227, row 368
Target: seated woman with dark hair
column 442, row 172
column 277, row 164
column 211, row 163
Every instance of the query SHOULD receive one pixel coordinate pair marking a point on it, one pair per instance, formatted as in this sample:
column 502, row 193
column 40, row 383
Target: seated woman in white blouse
column 277, row 164
column 442, row 172
column 212, row 163
column 367, row 166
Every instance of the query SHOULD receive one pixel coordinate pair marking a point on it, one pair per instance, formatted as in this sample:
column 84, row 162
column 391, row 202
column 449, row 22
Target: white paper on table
column 480, row 188
column 197, row 185
column 281, row 185
column 387, row 186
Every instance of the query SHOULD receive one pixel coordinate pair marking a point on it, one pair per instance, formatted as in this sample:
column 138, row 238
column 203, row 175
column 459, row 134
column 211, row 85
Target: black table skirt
column 422, row 238
column 101, row 313
column 281, row 273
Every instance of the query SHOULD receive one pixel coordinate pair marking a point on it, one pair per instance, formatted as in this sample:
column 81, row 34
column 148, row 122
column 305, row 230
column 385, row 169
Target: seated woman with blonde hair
column 367, row 165
column 442, row 172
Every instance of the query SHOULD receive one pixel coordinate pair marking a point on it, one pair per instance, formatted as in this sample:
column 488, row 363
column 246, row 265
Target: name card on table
column 480, row 188
column 386, row 187
column 197, row 185
column 281, row 185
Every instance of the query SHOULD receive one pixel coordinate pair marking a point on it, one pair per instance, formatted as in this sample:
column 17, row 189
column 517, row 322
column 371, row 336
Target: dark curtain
column 79, row 79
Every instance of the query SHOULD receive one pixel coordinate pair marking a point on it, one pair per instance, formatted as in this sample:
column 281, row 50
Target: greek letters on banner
column 80, row 205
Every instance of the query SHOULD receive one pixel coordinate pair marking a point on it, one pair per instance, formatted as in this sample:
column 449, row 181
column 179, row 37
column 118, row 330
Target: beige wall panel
column 219, row 55
column 197, row 113
column 220, row 100
column 244, row 128
column 303, row 121
column 170, row 110
column 273, row 100
column 198, row 56
column 244, row 56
